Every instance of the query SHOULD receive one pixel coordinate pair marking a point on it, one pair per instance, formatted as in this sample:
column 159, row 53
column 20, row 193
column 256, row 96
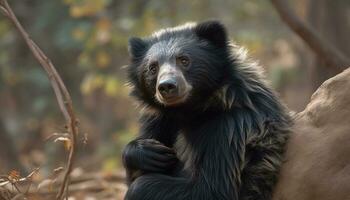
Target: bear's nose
column 167, row 88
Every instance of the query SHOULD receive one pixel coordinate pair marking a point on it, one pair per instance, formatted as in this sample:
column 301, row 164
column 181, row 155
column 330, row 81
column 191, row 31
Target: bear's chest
column 184, row 150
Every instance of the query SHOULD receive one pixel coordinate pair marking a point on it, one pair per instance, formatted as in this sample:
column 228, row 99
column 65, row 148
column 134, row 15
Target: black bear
column 210, row 128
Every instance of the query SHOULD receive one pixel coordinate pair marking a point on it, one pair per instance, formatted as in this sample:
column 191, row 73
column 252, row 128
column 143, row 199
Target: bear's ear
column 213, row 31
column 137, row 47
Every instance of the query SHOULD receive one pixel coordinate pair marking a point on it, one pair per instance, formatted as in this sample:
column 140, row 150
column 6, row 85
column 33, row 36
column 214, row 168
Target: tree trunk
column 330, row 20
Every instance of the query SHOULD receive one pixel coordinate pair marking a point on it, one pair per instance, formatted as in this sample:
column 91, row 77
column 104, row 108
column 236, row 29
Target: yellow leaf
column 84, row 60
column 76, row 11
column 98, row 81
column 103, row 59
column 111, row 87
column 91, row 83
column 104, row 23
column 86, row 86
column 78, row 34
column 87, row 8
column 109, row 165
column 66, row 142
column 103, row 34
column 103, row 37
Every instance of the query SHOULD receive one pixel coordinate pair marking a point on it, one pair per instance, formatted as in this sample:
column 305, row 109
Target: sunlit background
column 87, row 42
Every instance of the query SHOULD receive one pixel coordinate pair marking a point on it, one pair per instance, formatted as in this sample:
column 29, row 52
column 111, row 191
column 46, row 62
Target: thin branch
column 325, row 50
column 4, row 11
column 62, row 95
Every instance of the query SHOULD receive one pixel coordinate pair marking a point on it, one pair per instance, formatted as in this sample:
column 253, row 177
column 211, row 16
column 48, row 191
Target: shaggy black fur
column 226, row 141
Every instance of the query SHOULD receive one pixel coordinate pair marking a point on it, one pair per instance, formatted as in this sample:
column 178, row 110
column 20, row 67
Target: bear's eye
column 184, row 61
column 153, row 67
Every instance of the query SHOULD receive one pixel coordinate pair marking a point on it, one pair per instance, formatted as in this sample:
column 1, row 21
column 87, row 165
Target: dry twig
column 325, row 50
column 61, row 92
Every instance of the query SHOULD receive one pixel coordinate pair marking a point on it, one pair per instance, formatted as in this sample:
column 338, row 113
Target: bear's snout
column 168, row 88
column 172, row 87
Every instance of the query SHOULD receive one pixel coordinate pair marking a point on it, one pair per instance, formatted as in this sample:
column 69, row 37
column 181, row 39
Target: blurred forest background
column 87, row 42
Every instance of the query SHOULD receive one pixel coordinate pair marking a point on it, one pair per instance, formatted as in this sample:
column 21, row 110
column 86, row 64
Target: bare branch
column 3, row 10
column 61, row 92
column 325, row 50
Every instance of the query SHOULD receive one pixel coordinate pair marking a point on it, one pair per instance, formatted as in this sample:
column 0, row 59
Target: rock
column 317, row 165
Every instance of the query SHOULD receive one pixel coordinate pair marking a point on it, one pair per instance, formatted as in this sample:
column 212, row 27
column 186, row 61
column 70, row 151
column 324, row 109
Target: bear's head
column 180, row 66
